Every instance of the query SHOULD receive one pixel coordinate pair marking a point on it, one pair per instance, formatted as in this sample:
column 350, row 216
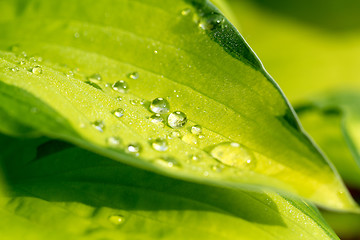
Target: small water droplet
column 234, row 155
column 177, row 119
column 117, row 219
column 118, row 112
column 133, row 102
column 133, row 75
column 167, row 162
column 211, row 21
column 196, row 129
column 160, row 105
column 120, row 86
column 134, row 148
column 217, row 167
column 190, row 139
column 99, row 125
column 195, row 158
column 155, row 52
column 119, row 98
column 76, row 35
column 36, row 70
column 113, row 141
column 186, row 11
column 157, row 119
column 14, row 69
column 22, row 62
column 93, row 85
column 174, row 134
column 96, row 77
column 160, row 144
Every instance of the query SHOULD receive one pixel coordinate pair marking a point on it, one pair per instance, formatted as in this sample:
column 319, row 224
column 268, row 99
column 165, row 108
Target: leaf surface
column 60, row 191
column 67, row 67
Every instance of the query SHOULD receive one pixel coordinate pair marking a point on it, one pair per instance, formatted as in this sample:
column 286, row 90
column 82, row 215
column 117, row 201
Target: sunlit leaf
column 60, row 191
column 333, row 120
column 86, row 72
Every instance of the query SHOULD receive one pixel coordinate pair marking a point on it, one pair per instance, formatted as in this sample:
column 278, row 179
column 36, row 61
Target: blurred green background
column 312, row 50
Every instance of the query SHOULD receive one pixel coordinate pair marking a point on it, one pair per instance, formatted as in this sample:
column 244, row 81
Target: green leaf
column 60, row 59
column 60, row 191
column 304, row 57
column 333, row 120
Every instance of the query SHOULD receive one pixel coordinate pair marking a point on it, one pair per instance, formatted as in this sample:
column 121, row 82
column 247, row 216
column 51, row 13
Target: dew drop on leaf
column 196, row 129
column 167, row 162
column 36, row 70
column 190, row 139
column 118, row 112
column 113, row 141
column 211, row 21
column 96, row 77
column 186, row 11
column 133, row 75
column 99, row 125
column 159, row 144
column 120, row 86
column 177, row 119
column 234, row 155
column 117, row 219
column 134, row 148
column 157, row 119
column 160, row 105
column 174, row 134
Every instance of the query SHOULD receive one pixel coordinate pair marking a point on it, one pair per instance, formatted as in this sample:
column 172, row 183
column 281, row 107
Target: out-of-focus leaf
column 59, row 191
column 333, row 120
column 72, row 64
column 304, row 59
column 346, row 225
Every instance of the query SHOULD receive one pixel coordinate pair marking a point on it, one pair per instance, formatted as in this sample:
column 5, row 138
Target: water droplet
column 160, row 105
column 120, row 86
column 134, row 148
column 133, row 102
column 217, row 167
column 14, row 69
column 155, row 52
column 186, row 11
column 195, row 158
column 36, row 70
column 167, row 162
column 157, row 119
column 119, row 98
column 96, row 77
column 201, row 136
column 22, row 62
column 196, row 129
column 113, row 141
column 133, row 75
column 99, row 125
column 93, row 85
column 234, row 155
column 211, row 21
column 174, row 134
column 160, row 144
column 190, row 139
column 177, row 119
column 76, row 35
column 118, row 112
column 117, row 219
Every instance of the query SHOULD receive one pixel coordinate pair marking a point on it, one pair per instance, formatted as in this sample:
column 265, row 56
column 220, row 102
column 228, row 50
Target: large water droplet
column 196, row 129
column 234, row 155
column 99, row 125
column 160, row 144
column 133, row 75
column 157, row 119
column 134, row 148
column 96, row 77
column 177, row 119
column 36, row 70
column 117, row 219
column 211, row 21
column 160, row 105
column 120, row 86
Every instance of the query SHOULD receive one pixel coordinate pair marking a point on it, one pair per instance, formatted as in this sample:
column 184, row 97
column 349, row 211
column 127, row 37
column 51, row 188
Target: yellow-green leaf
column 87, row 71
